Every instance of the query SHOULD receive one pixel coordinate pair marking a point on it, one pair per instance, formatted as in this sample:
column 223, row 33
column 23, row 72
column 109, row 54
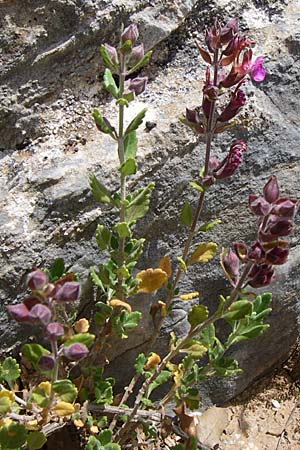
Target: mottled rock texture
column 49, row 85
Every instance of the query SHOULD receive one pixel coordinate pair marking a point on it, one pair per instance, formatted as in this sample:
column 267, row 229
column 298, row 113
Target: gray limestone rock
column 50, row 65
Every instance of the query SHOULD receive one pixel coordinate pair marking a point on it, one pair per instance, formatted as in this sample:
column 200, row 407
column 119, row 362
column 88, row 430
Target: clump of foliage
column 63, row 377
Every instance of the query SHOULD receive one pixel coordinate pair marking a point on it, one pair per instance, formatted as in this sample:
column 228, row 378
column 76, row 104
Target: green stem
column 121, row 153
column 55, row 369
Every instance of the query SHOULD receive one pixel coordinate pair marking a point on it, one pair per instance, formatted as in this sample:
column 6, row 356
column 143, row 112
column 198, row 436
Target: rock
column 46, row 208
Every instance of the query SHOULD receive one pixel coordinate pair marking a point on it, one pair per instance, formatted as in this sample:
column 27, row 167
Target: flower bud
column 40, row 313
column 277, row 256
column 112, row 53
column 68, row 292
column 137, row 53
column 256, row 252
column 54, row 330
column 19, row 312
column 130, row 33
column 238, row 99
column 36, row 280
column 138, row 85
column 76, row 351
column 271, row 190
column 259, row 205
column 231, row 264
column 234, row 158
column 46, row 362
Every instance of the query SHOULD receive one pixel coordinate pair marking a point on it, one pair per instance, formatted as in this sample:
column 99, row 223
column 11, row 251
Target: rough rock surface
column 49, row 85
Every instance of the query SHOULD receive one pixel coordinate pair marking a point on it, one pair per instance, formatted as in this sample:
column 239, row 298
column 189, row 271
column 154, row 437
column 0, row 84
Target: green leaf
column 139, row 204
column 128, row 167
column 103, row 393
column 139, row 363
column 162, row 378
column 12, row 436
column 238, row 310
column 186, row 215
column 105, row 437
column 103, row 124
column 197, row 315
column 100, row 193
column 83, row 338
column 250, row 332
column 106, row 58
column 129, row 97
column 130, row 145
column 40, row 397
column 182, row 264
column 122, row 229
column 5, row 404
column 33, row 352
column 225, row 367
column 197, row 186
column 56, row 270
column 66, row 390
column 136, row 122
column 103, row 236
column 195, row 349
column 9, row 370
column 131, row 320
column 208, row 335
column 141, row 63
column 93, row 444
column 110, row 84
column 36, row 440
column 209, row 225
column 95, row 279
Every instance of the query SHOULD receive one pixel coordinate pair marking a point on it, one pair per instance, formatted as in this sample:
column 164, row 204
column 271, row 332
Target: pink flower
column 258, row 72
column 234, row 158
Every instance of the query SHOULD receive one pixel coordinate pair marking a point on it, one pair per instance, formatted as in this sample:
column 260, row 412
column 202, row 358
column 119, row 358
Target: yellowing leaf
column 189, row 296
column 203, row 253
column 82, row 326
column 165, row 265
column 78, row 423
column 63, row 409
column 94, row 429
column 163, row 308
column 116, row 302
column 152, row 361
column 8, row 394
column 32, row 425
column 151, row 280
column 46, row 387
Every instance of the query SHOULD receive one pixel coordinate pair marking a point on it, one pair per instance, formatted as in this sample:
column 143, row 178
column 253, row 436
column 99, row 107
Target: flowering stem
column 121, row 154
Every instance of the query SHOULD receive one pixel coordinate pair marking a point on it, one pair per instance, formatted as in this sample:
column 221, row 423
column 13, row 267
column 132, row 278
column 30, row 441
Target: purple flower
column 271, row 190
column 46, row 362
column 234, row 158
column 285, row 208
column 54, row 330
column 238, row 99
column 40, row 313
column 281, row 228
column 76, row 351
column 258, row 72
column 138, row 85
column 68, row 292
column 112, row 53
column 130, row 33
column 261, row 275
column 277, row 256
column 36, row 280
column 259, row 205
